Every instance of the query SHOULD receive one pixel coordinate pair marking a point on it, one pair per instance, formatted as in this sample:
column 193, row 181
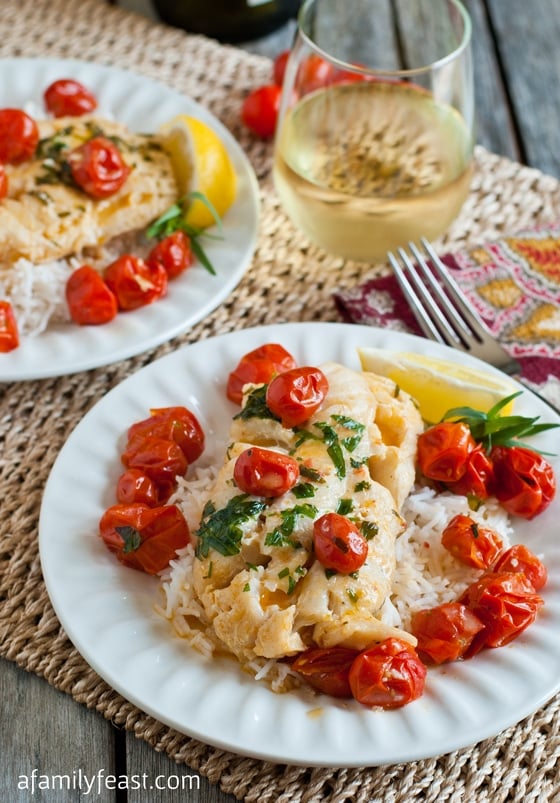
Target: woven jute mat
column 288, row 280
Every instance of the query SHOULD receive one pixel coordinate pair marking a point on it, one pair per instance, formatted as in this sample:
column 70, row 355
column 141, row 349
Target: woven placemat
column 288, row 281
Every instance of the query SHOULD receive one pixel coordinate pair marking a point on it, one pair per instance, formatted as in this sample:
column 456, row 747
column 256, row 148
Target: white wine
column 227, row 20
column 364, row 167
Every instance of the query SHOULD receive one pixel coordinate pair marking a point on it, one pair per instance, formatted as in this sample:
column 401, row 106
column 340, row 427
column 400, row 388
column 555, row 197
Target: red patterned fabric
column 513, row 283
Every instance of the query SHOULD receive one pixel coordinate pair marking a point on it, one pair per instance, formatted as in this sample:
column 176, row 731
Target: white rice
column 36, row 293
column 426, row 573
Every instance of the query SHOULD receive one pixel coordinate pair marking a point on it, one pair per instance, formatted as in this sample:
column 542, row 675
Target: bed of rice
column 426, row 574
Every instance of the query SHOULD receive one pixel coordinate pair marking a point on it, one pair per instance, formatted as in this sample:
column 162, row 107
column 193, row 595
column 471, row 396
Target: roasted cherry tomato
column 133, row 486
column 144, row 538
column 525, row 481
column 98, row 168
column 471, row 543
column 162, row 460
column 505, row 603
column 259, row 111
column 279, row 67
column 478, row 478
column 338, row 543
column 445, row 632
column 314, row 73
column 175, row 424
column 68, row 98
column 388, row 675
column 4, row 183
column 326, row 669
column 443, row 450
column 258, row 367
column 134, row 282
column 9, row 335
column 263, row 472
column 90, row 301
column 520, row 559
column 293, row 396
column 19, row 136
column 173, row 253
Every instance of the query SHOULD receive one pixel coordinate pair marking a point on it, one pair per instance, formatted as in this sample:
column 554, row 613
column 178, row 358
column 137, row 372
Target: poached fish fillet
column 44, row 217
column 263, row 592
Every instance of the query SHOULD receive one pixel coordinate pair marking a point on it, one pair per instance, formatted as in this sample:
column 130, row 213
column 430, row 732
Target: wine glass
column 374, row 144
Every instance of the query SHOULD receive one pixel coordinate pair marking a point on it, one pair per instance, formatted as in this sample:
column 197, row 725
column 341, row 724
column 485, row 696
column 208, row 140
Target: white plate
column 143, row 105
column 106, row 609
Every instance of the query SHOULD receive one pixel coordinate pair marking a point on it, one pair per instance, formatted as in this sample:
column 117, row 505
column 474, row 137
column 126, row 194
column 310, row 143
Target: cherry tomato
column 259, row 112
column 173, row 253
column 162, row 460
column 478, row 479
column 258, row 367
column 338, row 543
column 445, row 632
column 98, row 168
column 443, row 450
column 90, row 301
column 388, row 675
column 326, row 669
column 3, row 182
column 9, row 335
column 175, row 424
column 471, row 543
column 66, row 97
column 263, row 472
column 314, row 73
column 134, row 282
column 505, row 603
column 135, row 486
column 520, row 559
column 279, row 67
column 294, row 395
column 19, row 136
column 144, row 538
column 525, row 481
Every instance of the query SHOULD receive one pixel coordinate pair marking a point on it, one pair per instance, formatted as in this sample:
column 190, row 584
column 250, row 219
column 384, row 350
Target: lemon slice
column 201, row 163
column 438, row 385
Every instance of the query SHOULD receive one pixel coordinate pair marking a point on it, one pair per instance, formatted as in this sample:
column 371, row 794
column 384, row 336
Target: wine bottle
column 227, row 20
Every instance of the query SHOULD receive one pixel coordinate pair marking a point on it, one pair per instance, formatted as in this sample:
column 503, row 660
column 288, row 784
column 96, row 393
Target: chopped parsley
column 303, row 490
column 281, row 535
column 221, row 529
column 255, row 406
column 362, row 486
column 344, row 506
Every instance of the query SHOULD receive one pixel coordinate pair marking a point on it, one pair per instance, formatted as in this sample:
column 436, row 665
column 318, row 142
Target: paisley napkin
column 513, row 283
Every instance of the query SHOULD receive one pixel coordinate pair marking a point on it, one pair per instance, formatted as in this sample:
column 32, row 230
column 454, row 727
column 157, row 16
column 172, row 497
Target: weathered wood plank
column 167, row 781
column 44, row 732
column 527, row 37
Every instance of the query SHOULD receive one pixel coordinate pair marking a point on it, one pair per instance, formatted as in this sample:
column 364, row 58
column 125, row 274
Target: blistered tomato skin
column 69, row 98
column 525, row 484
column 338, row 543
column 443, row 451
column 19, row 136
column 471, row 543
column 293, row 396
column 90, row 301
column 388, row 675
column 263, row 472
column 518, row 558
column 98, row 168
column 257, row 367
column 326, row 669
column 9, row 334
column 445, row 632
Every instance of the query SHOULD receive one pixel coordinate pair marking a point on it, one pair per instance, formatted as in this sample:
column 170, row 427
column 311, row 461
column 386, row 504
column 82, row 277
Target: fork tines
column 437, row 301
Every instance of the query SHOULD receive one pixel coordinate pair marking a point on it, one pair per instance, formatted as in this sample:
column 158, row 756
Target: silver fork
column 442, row 310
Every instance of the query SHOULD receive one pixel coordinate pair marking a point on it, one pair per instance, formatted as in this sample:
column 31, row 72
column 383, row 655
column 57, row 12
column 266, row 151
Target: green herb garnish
column 492, row 429
column 255, row 406
column 173, row 219
column 221, row 529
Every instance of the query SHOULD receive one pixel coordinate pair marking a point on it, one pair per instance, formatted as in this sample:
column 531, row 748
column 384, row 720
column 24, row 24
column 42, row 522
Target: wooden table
column 517, row 69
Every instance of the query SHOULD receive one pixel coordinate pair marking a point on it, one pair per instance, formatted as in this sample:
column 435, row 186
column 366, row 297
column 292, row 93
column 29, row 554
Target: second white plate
column 143, row 105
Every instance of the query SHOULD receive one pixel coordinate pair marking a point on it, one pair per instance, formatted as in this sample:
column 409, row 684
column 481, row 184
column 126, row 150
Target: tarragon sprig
column 173, row 219
column 492, row 429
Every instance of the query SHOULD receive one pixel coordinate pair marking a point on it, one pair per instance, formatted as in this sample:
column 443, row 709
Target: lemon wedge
column 436, row 384
column 201, row 163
